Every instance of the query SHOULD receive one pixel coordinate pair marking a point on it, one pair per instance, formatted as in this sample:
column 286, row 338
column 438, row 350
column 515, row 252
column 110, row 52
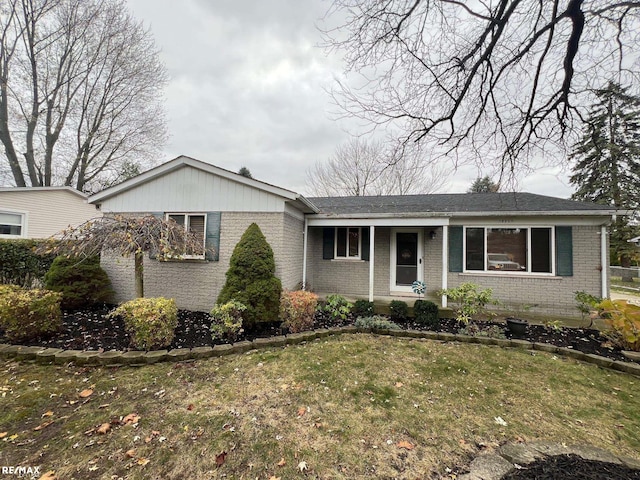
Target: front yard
column 349, row 407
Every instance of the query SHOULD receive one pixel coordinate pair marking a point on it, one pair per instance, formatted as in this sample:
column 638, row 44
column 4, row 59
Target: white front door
column 406, row 258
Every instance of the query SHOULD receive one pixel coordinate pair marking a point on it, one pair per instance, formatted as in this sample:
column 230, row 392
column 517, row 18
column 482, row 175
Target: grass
column 341, row 405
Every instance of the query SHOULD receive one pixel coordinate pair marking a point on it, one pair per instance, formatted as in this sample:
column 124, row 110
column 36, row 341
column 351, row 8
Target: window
column 196, row 224
column 11, row 224
column 347, row 243
column 507, row 250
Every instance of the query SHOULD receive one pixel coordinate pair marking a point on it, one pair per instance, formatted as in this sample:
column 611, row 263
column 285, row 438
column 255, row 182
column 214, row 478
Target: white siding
column 190, row 189
column 47, row 211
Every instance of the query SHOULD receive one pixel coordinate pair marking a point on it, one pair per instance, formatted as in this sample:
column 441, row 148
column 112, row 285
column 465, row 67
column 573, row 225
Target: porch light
column 432, row 234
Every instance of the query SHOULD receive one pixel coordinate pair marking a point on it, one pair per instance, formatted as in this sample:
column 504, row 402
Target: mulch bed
column 90, row 330
column 572, row 467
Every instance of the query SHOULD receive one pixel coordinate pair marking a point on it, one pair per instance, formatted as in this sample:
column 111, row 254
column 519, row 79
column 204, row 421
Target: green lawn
column 349, row 407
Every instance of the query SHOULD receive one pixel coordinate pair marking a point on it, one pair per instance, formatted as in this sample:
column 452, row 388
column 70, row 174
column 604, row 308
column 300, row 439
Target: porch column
column 604, row 293
column 445, row 262
column 372, row 238
column 304, row 253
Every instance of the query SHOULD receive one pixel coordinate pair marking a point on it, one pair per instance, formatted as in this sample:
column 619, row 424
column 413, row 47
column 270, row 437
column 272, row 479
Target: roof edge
column 45, row 189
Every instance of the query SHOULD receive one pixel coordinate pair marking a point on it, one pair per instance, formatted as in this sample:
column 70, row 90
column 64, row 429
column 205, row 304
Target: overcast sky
column 248, row 88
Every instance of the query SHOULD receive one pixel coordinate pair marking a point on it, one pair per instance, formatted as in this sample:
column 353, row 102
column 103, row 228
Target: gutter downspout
column 445, row 262
column 304, row 253
column 603, row 262
column 372, row 237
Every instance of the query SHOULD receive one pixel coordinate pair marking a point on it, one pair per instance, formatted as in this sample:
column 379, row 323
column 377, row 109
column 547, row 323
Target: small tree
column 251, row 278
column 126, row 236
column 484, row 185
column 245, row 172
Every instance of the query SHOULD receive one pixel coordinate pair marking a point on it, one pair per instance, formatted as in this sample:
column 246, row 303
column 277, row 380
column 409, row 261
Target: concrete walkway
column 629, row 297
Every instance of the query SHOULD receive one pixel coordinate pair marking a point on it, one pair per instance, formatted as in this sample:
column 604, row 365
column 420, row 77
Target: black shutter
column 564, row 252
column 328, row 238
column 212, row 237
column 153, row 255
column 455, row 249
column 364, row 255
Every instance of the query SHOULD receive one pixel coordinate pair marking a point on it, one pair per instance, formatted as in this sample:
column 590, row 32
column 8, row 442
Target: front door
column 406, row 259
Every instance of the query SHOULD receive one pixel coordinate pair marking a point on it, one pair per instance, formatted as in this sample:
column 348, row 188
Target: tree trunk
column 139, row 274
column 627, row 273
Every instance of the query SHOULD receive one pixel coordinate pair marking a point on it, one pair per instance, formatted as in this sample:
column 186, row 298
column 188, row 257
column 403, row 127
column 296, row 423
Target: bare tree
column 80, row 91
column 498, row 80
column 360, row 168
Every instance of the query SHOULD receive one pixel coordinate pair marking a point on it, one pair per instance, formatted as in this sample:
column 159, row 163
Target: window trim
column 22, row 225
column 528, row 272
column 186, row 224
column 335, row 244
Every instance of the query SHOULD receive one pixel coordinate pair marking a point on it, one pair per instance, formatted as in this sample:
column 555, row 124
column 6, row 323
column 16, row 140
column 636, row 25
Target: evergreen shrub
column 82, row 282
column 398, row 310
column 426, row 313
column 363, row 308
column 151, row 322
column 20, row 265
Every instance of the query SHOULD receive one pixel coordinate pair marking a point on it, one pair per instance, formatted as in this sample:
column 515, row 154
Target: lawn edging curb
column 134, row 357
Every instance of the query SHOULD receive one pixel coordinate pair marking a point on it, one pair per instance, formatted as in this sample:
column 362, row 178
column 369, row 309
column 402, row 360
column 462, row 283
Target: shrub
column 27, row 314
column 363, row 308
column 426, row 313
column 473, row 330
column 398, row 310
column 81, row 281
column 586, row 303
column 151, row 322
column 251, row 279
column 623, row 322
column 337, row 307
column 226, row 320
column 376, row 322
column 20, row 265
column 469, row 301
column 297, row 310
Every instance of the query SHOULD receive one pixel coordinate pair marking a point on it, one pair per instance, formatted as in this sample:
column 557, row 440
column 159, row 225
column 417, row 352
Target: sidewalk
column 629, row 297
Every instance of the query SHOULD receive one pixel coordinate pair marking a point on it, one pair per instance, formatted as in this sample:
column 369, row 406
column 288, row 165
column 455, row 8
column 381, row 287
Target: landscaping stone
column 202, row 352
column 594, row 453
column 627, row 367
column 446, row 337
column 630, row 462
column 88, row 357
column 109, row 358
column 520, row 453
column 545, row 347
column 349, row 329
column 270, row 342
column 156, row 356
column 27, row 353
column 570, row 352
column 47, row 355
column 66, row 356
column 242, row 347
column 220, row 350
column 598, row 360
column 134, row 357
column 179, row 354
column 323, row 332
column 429, row 335
column 466, row 338
column 10, row 351
column 489, row 466
column 502, row 342
column 514, row 342
column 633, row 356
column 294, row 338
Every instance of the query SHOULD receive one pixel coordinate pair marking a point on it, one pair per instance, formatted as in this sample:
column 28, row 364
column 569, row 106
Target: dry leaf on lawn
column 104, row 428
column 220, row 458
column 302, row 411
column 130, row 453
column 47, row 414
column 399, row 384
column 273, row 477
column 131, row 419
column 142, row 461
column 50, row 475
column 406, row 445
column 302, row 466
column 3, row 434
column 86, row 393
column 42, row 426
column 282, row 462
column 191, row 407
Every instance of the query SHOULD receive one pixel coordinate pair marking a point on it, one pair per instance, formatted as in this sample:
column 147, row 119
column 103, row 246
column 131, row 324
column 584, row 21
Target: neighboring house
column 531, row 249
column 39, row 212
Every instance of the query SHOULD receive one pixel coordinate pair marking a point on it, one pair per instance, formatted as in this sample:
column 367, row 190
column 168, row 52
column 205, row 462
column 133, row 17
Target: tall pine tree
column 607, row 161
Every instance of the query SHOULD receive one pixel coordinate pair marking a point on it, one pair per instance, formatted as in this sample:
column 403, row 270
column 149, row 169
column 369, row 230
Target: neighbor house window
column 509, row 250
column 11, row 224
column 196, row 224
column 347, row 242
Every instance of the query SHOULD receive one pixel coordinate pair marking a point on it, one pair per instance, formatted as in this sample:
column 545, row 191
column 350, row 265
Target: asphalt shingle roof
column 451, row 203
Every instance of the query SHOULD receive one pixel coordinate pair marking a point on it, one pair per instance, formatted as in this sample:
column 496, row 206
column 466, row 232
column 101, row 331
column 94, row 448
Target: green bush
column 426, row 313
column 151, row 322
column 469, row 301
column 623, row 323
column 20, row 265
column 82, row 282
column 363, row 308
column 376, row 322
column 27, row 314
column 337, row 307
column 226, row 320
column 251, row 278
column 297, row 310
column 398, row 310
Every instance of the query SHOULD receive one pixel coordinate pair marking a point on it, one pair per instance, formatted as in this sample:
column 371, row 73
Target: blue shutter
column 364, row 254
column 328, row 238
column 564, row 252
column 455, row 249
column 212, row 237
